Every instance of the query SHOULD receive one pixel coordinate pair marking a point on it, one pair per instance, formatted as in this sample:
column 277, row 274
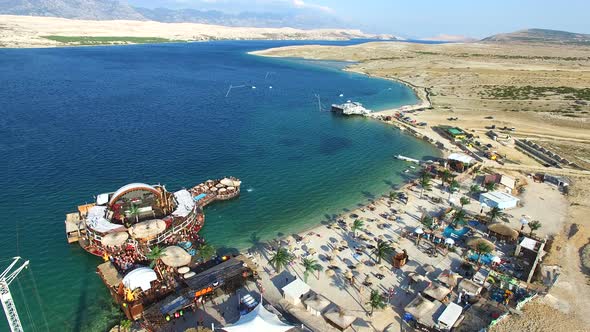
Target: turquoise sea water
column 76, row 122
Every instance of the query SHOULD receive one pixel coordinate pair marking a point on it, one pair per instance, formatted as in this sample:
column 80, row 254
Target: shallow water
column 76, row 122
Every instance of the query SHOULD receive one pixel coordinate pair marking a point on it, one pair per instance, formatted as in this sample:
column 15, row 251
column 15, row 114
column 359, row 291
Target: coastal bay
column 83, row 121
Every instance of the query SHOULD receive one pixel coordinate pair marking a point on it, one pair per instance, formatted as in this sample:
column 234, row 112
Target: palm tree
column 125, row 325
column 356, row 225
column 474, row 189
column 454, row 185
column 381, row 250
column 482, row 249
column 446, row 176
column 494, row 213
column 376, row 301
column 134, row 212
column 459, row 215
column 534, row 225
column 424, row 182
column 427, row 220
column 155, row 254
column 206, row 252
column 464, row 201
column 311, row 265
column 392, row 195
column 490, row 186
column 281, row 259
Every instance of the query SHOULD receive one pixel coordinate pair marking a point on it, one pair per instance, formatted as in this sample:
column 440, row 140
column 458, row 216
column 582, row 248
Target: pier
column 412, row 160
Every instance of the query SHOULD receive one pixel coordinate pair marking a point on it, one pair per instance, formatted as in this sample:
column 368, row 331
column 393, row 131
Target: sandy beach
column 337, row 234
column 29, row 31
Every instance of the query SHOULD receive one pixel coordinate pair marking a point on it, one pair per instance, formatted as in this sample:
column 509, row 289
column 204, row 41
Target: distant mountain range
column 540, row 36
column 117, row 10
column 76, row 9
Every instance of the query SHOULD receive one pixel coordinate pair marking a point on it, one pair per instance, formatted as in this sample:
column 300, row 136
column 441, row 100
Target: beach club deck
column 141, row 214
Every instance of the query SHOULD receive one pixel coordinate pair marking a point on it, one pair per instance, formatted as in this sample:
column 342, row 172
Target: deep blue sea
column 76, row 122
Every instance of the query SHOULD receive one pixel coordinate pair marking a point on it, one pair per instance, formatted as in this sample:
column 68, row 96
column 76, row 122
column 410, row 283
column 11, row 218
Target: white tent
column 295, row 290
column 461, row 157
column 140, row 278
column 258, row 319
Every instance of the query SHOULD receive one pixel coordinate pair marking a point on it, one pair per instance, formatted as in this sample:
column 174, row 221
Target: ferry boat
column 350, row 108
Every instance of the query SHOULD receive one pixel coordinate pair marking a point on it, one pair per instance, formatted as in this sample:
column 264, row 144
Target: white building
column 498, row 199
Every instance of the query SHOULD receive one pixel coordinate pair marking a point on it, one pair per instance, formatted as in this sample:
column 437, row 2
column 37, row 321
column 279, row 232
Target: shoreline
column 423, row 102
column 420, row 92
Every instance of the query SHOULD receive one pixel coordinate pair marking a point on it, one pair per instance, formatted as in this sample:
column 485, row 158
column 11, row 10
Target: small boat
column 341, row 95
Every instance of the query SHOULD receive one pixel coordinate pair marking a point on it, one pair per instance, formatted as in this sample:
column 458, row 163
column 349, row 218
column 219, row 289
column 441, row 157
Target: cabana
column 503, row 230
column 295, row 290
column 316, row 304
column 448, row 278
column 424, row 311
column 448, row 319
column 258, row 319
column 140, row 278
column 339, row 319
column 437, row 291
column 498, row 199
column 469, row 287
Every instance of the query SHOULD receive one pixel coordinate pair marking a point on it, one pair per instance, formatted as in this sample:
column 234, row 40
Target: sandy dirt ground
column 462, row 80
column 27, row 31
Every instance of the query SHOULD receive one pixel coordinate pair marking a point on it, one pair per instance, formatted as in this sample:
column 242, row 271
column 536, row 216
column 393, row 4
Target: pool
column 485, row 259
column 453, row 233
column 199, row 197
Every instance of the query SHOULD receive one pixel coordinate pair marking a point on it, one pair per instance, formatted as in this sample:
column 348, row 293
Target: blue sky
column 419, row 18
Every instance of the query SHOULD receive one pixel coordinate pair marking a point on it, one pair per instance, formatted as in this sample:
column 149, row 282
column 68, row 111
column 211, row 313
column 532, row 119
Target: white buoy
column 270, row 87
column 341, row 95
column 253, row 87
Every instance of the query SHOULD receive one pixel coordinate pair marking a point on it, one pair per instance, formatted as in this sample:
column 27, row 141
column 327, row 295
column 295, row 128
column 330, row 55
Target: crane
column 7, row 303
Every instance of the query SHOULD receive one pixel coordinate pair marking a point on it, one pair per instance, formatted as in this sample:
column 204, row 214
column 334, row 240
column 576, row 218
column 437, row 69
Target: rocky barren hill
column 544, row 36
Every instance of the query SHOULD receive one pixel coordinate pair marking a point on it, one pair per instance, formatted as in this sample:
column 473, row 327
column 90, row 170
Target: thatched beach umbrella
column 475, row 241
column 175, row 256
column 147, row 229
column 312, row 251
column 330, row 272
column 332, row 261
column 115, row 239
column 343, row 243
column 382, row 267
column 504, row 230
